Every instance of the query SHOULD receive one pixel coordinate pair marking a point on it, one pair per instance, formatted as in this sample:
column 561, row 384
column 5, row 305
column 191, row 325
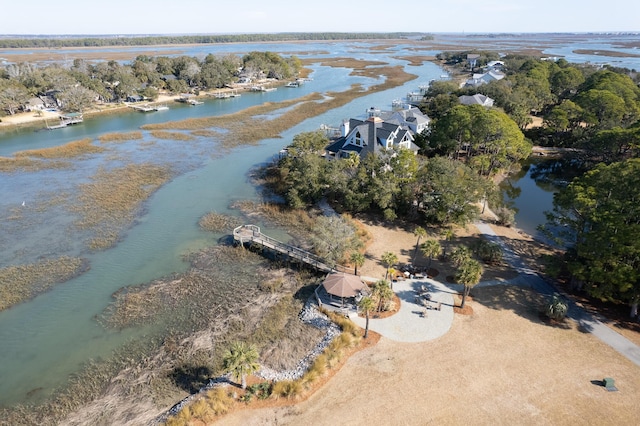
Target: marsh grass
column 205, row 133
column 177, row 136
column 243, row 128
column 113, row 197
column 19, row 283
column 27, row 164
column 120, row 137
column 68, row 150
column 216, row 222
column 298, row 222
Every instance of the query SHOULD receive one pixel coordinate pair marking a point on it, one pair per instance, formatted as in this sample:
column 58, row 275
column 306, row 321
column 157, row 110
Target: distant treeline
column 72, row 41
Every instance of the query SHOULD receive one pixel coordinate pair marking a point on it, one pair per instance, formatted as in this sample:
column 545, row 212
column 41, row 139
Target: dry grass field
column 500, row 365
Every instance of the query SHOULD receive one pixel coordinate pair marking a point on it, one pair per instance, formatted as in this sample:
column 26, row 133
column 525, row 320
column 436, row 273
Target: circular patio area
column 408, row 324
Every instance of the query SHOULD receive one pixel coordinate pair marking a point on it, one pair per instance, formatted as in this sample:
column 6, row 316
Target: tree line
column 151, row 40
column 594, row 110
column 77, row 86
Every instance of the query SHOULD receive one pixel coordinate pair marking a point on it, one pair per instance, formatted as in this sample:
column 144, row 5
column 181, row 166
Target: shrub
column 556, row 308
column 219, row 400
column 506, row 216
column 287, row 389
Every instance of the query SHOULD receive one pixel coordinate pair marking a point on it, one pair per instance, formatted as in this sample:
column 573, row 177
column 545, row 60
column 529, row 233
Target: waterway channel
column 48, row 338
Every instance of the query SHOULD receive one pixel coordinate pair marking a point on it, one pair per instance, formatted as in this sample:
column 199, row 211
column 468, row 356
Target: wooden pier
column 250, row 234
column 66, row 120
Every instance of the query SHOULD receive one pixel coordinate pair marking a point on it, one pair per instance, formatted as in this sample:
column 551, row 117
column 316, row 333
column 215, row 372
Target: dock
column 67, row 120
column 250, row 234
column 149, row 108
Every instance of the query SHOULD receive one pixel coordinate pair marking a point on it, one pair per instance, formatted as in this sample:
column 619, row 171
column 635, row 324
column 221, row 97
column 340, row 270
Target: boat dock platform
column 250, row 234
column 67, row 120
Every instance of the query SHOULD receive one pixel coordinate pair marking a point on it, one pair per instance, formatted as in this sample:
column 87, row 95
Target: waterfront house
column 379, row 133
column 480, row 79
column 477, row 99
column 35, row 104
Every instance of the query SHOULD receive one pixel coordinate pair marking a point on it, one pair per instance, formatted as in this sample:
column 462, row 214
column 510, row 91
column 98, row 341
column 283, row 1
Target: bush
column 506, row 216
column 287, row 389
column 219, row 400
column 557, row 308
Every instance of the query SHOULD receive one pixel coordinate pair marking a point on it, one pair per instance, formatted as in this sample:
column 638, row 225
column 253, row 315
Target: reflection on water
column 530, row 191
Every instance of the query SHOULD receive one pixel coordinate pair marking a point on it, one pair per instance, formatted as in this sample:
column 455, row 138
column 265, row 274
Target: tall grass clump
column 120, row 137
column 68, row 150
column 216, row 222
column 112, row 198
column 177, row 136
column 19, row 283
column 287, row 389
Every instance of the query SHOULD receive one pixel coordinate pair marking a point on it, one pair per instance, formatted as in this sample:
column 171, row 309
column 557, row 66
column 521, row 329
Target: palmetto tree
column 357, row 259
column 382, row 293
column 468, row 275
column 241, row 359
column 388, row 259
column 447, row 235
column 459, row 255
column 366, row 305
column 430, row 249
column 419, row 232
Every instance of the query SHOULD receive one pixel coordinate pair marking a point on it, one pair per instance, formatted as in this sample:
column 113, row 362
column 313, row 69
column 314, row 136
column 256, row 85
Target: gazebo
column 343, row 285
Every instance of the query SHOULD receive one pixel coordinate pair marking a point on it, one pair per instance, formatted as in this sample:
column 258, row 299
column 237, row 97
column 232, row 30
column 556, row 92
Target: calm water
column 48, row 338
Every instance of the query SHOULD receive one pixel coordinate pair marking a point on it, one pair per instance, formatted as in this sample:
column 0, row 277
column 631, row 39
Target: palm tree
column 382, row 293
column 241, row 359
column 460, row 254
column 469, row 275
column 366, row 305
column 357, row 259
column 388, row 259
column 447, row 235
column 430, row 249
column 419, row 232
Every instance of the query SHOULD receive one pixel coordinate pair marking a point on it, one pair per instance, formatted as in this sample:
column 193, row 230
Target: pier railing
column 251, row 234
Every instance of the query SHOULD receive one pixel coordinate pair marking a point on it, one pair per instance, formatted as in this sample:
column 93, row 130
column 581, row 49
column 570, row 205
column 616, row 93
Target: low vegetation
column 119, row 137
column 216, row 222
column 114, row 197
column 19, row 283
column 68, row 150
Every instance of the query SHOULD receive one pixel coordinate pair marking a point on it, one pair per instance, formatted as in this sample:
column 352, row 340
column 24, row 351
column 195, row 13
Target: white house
column 476, row 99
column 487, row 77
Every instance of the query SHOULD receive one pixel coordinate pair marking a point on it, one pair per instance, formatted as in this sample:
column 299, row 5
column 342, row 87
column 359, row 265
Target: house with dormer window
column 376, row 134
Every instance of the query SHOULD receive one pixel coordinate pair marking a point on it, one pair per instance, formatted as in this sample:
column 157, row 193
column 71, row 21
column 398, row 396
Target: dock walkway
column 251, row 234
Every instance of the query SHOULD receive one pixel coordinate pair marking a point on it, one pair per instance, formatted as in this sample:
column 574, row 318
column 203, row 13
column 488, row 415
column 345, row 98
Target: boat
column 262, row 89
column 292, row 84
column 194, row 102
column 161, row 108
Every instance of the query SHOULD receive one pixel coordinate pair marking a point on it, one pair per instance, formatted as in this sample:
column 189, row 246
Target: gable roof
column 477, row 99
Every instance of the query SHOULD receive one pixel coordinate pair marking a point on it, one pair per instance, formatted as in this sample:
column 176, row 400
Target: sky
column 273, row 16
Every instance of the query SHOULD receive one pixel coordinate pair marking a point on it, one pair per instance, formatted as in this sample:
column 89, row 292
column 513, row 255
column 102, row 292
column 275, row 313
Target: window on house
column 389, row 144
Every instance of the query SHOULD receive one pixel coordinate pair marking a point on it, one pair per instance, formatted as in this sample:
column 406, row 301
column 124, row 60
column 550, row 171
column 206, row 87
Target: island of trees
column 80, row 86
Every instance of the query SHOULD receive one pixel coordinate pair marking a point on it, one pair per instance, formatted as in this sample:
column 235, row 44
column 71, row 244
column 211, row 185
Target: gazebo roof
column 343, row 285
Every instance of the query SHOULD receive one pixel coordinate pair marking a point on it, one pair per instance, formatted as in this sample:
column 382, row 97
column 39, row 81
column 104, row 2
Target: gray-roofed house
column 373, row 135
column 477, row 99
column 487, row 77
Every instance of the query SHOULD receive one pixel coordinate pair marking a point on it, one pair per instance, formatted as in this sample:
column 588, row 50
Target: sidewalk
column 587, row 322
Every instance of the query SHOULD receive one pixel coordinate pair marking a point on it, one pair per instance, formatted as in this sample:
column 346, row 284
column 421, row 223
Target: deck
column 250, row 234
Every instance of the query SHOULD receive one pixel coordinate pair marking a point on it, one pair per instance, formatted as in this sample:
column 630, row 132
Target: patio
column 414, row 322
